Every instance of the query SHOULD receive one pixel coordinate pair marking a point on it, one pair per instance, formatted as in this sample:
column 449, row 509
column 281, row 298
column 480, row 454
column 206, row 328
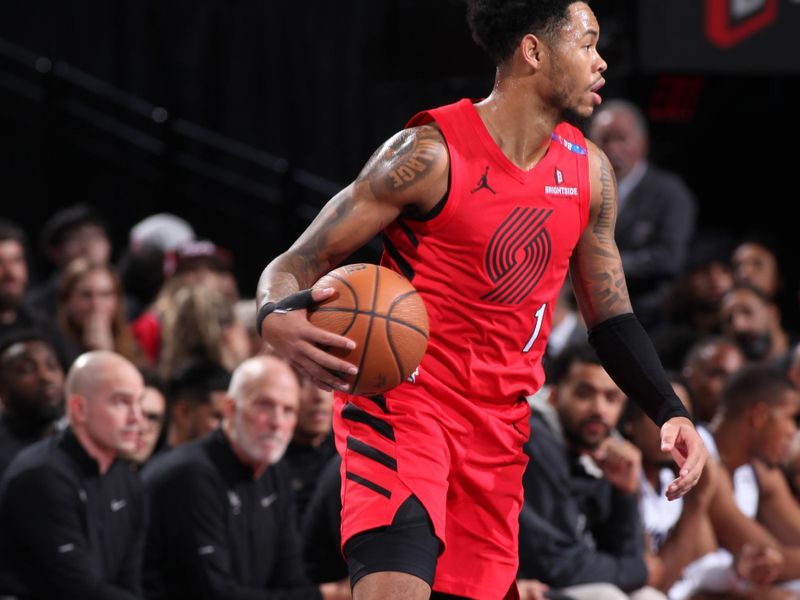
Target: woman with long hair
column 91, row 311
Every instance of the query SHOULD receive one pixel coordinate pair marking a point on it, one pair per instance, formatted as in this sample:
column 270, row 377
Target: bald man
column 657, row 210
column 72, row 515
column 223, row 522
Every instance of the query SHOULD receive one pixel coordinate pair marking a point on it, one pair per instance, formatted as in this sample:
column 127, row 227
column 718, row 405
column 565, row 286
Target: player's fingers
column 329, row 361
column 320, row 294
column 321, row 376
column 320, row 337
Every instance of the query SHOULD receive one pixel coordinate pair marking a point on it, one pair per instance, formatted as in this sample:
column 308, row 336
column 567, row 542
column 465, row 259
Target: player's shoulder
column 412, row 162
column 597, row 158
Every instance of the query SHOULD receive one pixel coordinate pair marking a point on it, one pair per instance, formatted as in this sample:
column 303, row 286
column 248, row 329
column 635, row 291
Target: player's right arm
column 410, row 169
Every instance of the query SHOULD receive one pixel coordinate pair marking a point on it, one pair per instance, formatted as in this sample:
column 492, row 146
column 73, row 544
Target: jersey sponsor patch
column 560, row 189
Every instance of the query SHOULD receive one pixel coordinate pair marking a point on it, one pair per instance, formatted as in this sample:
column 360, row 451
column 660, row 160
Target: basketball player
column 484, row 207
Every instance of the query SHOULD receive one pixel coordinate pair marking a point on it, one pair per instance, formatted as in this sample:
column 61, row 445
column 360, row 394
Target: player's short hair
column 497, row 26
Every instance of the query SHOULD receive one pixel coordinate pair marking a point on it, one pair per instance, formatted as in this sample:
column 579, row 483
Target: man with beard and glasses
column 580, row 524
column 754, row 322
column 31, row 391
column 223, row 523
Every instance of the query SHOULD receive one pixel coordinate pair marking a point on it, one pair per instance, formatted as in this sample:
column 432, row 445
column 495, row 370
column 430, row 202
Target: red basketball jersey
column 490, row 264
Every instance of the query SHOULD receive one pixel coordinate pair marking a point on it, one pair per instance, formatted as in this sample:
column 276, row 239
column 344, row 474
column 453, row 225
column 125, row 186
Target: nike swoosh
column 118, row 504
column 64, row 548
column 266, row 501
column 203, row 550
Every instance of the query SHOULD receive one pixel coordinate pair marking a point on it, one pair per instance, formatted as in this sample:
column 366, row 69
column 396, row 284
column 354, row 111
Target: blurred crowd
column 152, row 447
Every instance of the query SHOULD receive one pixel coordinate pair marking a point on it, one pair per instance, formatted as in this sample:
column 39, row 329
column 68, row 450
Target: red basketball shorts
column 464, row 460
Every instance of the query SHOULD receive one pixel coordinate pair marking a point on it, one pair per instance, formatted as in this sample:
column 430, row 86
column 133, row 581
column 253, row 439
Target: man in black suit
column 657, row 210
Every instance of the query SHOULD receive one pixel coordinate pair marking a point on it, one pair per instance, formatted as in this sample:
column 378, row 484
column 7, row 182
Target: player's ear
column 531, row 49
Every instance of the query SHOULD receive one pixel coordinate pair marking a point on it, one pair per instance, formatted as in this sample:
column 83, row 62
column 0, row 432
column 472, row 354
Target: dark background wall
column 243, row 116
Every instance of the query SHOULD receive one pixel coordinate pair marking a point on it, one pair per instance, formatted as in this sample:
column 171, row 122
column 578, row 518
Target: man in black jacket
column 223, row 523
column 72, row 517
column 580, row 522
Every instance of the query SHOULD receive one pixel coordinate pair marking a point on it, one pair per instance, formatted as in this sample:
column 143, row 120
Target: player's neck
column 519, row 127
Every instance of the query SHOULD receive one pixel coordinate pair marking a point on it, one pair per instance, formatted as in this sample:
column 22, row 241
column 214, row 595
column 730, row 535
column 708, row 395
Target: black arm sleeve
column 628, row 354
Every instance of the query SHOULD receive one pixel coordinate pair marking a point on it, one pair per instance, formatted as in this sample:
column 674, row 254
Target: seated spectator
column 754, row 322
column 141, row 267
column 312, row 443
column 756, row 262
column 708, row 365
column 223, row 522
column 200, row 324
column 196, row 396
column 679, row 532
column 14, row 314
column 31, row 391
column 72, row 518
column 193, row 263
column 74, row 232
column 754, row 508
column 580, row 522
column 91, row 312
column 691, row 310
column 154, row 407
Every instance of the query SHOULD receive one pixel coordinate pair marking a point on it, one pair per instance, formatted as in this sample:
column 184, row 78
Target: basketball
column 384, row 315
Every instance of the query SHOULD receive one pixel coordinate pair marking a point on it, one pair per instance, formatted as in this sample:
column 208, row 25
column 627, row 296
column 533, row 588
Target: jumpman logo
column 483, row 182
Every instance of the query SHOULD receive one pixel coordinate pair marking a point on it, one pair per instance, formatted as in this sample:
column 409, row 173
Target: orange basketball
column 384, row 315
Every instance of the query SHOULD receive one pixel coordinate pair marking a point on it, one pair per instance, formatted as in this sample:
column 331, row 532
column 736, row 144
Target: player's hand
column 621, row 463
column 681, row 440
column 532, row 589
column 301, row 343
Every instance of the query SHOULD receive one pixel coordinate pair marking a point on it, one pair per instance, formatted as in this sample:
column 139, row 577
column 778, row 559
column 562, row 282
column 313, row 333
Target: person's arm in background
column 626, row 351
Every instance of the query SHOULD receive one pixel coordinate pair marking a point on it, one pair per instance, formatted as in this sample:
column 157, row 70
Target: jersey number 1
column 539, row 316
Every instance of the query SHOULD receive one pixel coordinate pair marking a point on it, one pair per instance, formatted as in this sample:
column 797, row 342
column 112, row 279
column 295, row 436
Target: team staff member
column 484, row 207
column 223, row 523
column 72, row 517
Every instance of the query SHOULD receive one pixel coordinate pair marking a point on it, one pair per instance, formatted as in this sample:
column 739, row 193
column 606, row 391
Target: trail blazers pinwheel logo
column 728, row 22
column 518, row 255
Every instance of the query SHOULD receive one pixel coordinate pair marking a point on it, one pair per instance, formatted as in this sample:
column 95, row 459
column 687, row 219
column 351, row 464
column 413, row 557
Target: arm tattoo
column 604, row 225
column 612, row 290
column 407, row 159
